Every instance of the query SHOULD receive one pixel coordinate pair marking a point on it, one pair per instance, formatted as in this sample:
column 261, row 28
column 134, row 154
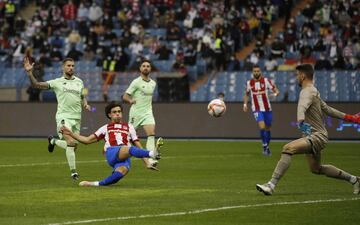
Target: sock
column 70, row 155
column 280, row 168
column 138, row 152
column 268, row 136
column 150, row 143
column 60, row 143
column 332, row 171
column 112, row 179
column 263, row 137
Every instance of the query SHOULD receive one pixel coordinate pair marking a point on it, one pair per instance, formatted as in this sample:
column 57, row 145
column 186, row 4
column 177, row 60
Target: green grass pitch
column 200, row 182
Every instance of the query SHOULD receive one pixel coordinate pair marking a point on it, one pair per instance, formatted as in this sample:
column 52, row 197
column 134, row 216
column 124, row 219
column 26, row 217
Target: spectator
column 95, row 12
column 189, row 55
column 70, row 13
column 74, row 53
column 323, row 63
column 233, row 64
column 56, row 55
column 248, row 66
column 163, row 52
column 271, row 64
column 278, row 48
column 83, row 12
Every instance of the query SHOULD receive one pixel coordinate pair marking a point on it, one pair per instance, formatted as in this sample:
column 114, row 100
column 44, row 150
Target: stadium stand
column 216, row 30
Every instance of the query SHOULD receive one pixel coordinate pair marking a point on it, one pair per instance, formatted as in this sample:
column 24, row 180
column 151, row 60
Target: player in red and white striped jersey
column 116, row 134
column 258, row 88
column 118, row 150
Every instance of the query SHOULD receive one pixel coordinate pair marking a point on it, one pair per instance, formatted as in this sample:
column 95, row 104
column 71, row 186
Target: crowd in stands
column 325, row 34
column 123, row 31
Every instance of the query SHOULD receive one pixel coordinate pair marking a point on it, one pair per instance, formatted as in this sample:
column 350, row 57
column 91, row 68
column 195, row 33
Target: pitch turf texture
column 200, row 182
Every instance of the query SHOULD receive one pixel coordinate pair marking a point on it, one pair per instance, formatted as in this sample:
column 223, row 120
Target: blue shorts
column 113, row 160
column 265, row 116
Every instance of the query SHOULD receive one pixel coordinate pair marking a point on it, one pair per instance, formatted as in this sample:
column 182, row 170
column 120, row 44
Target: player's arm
column 127, row 98
column 85, row 103
column 29, row 71
column 275, row 91
column 331, row 111
column 246, row 96
column 83, row 139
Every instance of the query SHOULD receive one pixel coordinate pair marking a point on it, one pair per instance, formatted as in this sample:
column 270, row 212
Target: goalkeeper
column 310, row 116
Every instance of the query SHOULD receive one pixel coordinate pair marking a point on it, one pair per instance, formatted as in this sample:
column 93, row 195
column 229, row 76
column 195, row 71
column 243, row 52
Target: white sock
column 150, row 143
column 60, row 143
column 70, row 155
column 152, row 154
column 353, row 179
column 271, row 185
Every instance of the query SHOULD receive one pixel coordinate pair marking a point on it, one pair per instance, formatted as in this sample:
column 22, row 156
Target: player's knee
column 72, row 143
column 123, row 170
column 316, row 170
column 288, row 149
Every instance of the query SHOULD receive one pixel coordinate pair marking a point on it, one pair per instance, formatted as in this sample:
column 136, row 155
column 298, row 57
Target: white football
column 216, row 107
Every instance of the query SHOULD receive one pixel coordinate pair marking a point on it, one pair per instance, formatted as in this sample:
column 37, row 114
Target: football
column 216, row 108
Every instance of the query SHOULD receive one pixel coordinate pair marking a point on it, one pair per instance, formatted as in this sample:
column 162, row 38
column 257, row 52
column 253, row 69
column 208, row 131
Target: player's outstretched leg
column 51, row 144
column 356, row 186
column 88, row 183
column 265, row 188
column 159, row 144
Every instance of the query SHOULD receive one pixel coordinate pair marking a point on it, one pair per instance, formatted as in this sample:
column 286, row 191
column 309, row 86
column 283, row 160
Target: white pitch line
column 46, row 163
column 206, row 210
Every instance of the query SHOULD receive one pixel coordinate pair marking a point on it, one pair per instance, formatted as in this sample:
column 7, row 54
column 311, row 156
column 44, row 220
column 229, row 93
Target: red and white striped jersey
column 116, row 134
column 259, row 93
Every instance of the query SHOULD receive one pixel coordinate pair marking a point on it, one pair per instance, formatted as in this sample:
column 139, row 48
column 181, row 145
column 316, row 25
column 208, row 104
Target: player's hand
column 27, row 65
column 352, row 118
column 245, row 108
column 87, row 107
column 274, row 95
column 65, row 130
column 305, row 128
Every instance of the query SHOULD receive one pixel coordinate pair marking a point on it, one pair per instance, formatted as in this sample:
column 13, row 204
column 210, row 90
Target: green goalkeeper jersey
column 69, row 97
column 142, row 91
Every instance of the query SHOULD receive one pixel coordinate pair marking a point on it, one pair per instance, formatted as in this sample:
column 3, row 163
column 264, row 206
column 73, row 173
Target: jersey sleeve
column 132, row 88
column 269, row 84
column 100, row 133
column 52, row 84
column 331, row 111
column 305, row 100
column 248, row 88
column 132, row 132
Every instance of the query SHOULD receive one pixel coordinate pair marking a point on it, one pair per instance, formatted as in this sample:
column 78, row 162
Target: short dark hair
column 256, row 66
column 306, row 69
column 144, row 61
column 110, row 106
column 67, row 59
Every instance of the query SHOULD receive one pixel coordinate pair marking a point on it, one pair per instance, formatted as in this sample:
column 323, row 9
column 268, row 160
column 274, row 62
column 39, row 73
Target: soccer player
column 310, row 116
column 70, row 98
column 139, row 94
column 260, row 104
column 118, row 150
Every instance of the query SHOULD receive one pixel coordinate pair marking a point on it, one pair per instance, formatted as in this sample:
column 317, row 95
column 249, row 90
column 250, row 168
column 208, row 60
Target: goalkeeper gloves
column 352, row 118
column 305, row 128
